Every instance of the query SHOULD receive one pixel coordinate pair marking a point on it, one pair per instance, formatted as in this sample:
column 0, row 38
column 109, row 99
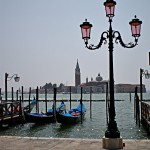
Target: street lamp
column 7, row 78
column 111, row 35
column 147, row 76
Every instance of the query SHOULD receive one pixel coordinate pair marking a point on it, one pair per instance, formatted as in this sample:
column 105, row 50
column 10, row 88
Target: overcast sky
column 40, row 40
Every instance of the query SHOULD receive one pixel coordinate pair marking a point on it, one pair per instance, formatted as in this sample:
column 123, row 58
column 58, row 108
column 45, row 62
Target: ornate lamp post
column 7, row 78
column 111, row 35
column 147, row 76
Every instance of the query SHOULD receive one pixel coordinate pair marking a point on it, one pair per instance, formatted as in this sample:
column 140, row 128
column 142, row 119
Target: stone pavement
column 31, row 143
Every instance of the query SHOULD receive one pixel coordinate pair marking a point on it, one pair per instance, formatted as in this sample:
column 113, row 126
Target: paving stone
column 29, row 143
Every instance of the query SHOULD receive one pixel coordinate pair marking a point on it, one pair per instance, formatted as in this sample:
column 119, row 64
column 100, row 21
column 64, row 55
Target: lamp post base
column 112, row 130
column 112, row 143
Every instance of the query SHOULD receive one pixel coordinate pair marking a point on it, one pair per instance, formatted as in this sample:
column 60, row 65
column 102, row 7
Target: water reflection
column 64, row 127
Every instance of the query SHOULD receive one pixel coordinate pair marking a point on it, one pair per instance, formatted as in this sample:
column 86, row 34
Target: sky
column 40, row 40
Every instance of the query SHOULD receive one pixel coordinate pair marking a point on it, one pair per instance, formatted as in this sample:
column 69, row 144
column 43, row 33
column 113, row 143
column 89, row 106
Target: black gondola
column 73, row 116
column 48, row 117
column 39, row 118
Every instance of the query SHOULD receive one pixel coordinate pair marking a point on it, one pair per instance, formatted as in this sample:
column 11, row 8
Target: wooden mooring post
column 90, row 102
column 136, row 107
column 54, row 103
column 0, row 94
column 70, row 97
column 12, row 94
column 45, row 100
column 81, row 106
column 17, row 95
column 130, row 96
column 37, row 100
column 22, row 93
column 29, row 98
column 12, row 106
column 20, row 109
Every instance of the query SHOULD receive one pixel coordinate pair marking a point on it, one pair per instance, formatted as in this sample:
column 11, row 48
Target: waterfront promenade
column 33, row 143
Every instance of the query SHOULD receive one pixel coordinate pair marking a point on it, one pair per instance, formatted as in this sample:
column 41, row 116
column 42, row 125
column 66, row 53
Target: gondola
column 60, row 108
column 36, row 117
column 73, row 116
column 41, row 117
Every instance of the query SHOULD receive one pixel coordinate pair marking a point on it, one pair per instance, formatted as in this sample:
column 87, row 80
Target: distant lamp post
column 147, row 76
column 7, row 78
column 111, row 35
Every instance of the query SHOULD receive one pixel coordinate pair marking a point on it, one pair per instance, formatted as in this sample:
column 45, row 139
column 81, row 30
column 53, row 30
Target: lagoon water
column 93, row 128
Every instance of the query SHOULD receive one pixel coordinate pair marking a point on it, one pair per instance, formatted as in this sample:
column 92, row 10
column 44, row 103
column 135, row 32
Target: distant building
column 129, row 88
column 77, row 75
column 98, row 85
column 66, row 89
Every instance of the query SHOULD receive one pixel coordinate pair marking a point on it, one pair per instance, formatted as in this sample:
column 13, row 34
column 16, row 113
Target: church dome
column 99, row 78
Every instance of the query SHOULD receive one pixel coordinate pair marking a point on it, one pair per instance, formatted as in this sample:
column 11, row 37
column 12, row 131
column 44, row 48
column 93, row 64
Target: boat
column 60, row 108
column 48, row 117
column 36, row 117
column 39, row 118
column 73, row 116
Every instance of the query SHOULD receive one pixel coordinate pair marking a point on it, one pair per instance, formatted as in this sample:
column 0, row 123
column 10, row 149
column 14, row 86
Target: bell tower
column 77, row 75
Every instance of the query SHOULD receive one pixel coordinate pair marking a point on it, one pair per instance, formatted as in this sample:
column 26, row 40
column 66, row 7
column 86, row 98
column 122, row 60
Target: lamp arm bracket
column 118, row 38
column 103, row 38
column 11, row 77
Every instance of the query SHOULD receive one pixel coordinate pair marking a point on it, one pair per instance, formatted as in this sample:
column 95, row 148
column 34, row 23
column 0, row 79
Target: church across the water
column 97, row 85
column 77, row 75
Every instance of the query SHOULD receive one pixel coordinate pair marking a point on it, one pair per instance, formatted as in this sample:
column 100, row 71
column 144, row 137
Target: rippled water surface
column 93, row 127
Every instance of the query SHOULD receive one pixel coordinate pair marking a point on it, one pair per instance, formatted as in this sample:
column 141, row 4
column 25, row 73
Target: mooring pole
column 12, row 105
column 17, row 95
column 0, row 94
column 12, row 94
column 29, row 98
column 90, row 102
column 22, row 104
column 130, row 96
column 135, row 102
column 137, row 110
column 81, row 105
column 45, row 100
column 37, row 99
column 22, row 94
column 141, row 86
column 70, row 97
column 20, row 108
column 54, row 103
